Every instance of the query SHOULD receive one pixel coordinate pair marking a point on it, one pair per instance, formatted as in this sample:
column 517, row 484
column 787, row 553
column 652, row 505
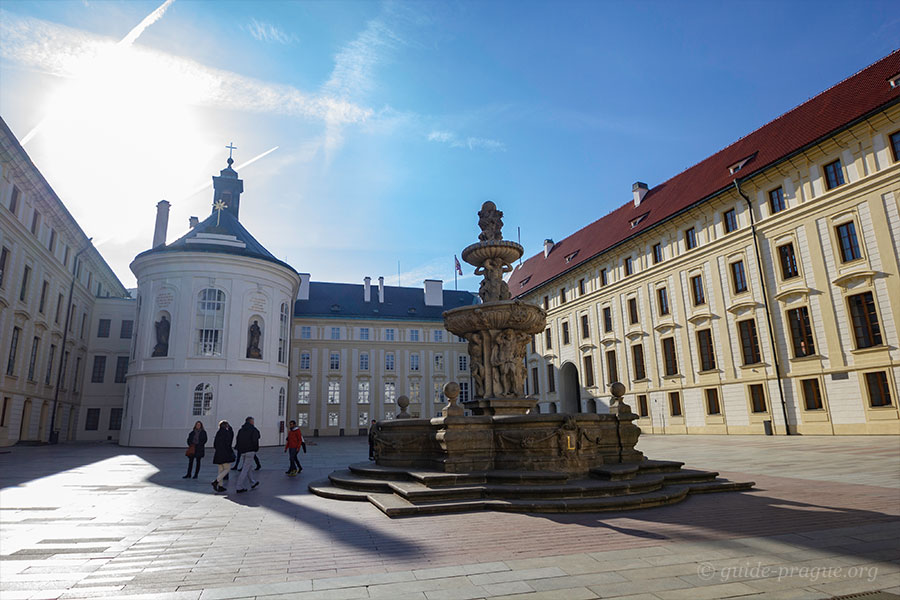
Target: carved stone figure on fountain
column 162, row 337
column 491, row 222
column 504, row 361
column 493, row 288
column 476, row 355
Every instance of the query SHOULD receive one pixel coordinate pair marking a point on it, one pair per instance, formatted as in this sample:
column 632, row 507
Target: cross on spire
column 231, row 148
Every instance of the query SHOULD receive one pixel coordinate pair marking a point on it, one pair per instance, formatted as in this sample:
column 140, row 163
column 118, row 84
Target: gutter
column 765, row 294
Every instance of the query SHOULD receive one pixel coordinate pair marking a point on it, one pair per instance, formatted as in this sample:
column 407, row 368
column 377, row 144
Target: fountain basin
column 478, row 253
column 503, row 314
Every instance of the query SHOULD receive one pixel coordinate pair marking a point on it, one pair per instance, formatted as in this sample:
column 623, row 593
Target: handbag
column 190, row 450
column 303, row 445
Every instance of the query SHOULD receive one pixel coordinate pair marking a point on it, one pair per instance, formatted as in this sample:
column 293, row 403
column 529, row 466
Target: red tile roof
column 838, row 106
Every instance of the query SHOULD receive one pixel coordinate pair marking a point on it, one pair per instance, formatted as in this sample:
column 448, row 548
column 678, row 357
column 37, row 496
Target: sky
column 369, row 133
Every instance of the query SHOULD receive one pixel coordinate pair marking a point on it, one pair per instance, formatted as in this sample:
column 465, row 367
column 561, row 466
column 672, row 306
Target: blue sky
column 392, row 122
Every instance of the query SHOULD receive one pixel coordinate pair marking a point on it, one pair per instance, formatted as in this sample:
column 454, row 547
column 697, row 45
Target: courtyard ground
column 97, row 520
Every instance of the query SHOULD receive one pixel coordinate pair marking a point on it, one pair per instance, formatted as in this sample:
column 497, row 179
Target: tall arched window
column 283, row 332
column 210, row 322
column 203, row 398
column 281, row 400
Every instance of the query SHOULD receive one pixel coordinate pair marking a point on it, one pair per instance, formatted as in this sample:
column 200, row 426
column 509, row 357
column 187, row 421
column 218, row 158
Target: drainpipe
column 762, row 281
column 54, row 439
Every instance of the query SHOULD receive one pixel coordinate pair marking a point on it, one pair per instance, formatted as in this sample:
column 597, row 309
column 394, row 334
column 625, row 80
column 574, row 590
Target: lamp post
column 54, row 435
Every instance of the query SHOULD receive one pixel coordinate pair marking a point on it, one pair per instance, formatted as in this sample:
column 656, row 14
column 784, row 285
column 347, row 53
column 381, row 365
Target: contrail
column 125, row 42
column 240, row 166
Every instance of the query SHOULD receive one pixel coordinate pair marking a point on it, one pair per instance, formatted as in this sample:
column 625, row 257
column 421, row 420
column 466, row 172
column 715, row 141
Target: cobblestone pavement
column 79, row 521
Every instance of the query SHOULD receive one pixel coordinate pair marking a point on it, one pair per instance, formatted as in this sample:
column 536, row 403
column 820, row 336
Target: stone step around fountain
column 399, row 492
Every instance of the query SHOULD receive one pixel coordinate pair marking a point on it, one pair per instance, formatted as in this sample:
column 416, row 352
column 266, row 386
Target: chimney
column 548, row 246
column 381, row 289
column 162, row 223
column 193, row 222
column 639, row 190
column 303, row 292
column 367, row 289
column 434, row 292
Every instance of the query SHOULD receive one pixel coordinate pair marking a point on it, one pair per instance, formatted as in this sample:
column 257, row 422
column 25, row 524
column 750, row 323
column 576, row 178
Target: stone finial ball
column 403, row 402
column 488, row 206
column 617, row 389
column 451, row 390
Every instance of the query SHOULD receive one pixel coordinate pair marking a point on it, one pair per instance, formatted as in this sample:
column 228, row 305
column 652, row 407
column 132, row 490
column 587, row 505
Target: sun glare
column 125, row 130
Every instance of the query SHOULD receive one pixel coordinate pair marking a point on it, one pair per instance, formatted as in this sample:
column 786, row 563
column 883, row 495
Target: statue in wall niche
column 476, row 358
column 255, row 333
column 162, row 337
column 492, row 287
column 491, row 222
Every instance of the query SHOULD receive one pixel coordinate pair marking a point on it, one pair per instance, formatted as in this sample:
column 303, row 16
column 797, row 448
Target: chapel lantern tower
column 227, row 187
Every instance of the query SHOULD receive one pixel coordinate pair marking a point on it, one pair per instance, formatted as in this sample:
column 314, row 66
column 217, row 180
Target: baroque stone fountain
column 504, row 456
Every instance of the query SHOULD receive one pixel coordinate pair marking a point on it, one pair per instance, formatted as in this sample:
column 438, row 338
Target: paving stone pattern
column 82, row 521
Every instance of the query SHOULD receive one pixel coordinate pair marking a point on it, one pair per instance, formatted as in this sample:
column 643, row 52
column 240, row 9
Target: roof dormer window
column 637, row 220
column 570, row 257
column 740, row 164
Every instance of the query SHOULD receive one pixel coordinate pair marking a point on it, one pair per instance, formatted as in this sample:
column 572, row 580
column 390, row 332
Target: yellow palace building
column 757, row 288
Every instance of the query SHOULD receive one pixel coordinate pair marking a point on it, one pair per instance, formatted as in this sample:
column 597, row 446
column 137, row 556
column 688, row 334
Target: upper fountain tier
column 492, row 256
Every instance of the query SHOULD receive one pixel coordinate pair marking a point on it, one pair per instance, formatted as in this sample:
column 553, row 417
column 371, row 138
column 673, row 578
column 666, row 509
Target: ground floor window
column 332, row 419
column 303, row 419
column 92, row 419
column 203, row 397
column 302, row 392
column 115, row 419
column 363, row 419
column 879, row 392
column 757, row 398
column 675, row 404
column 712, row 401
column 812, row 394
column 643, row 407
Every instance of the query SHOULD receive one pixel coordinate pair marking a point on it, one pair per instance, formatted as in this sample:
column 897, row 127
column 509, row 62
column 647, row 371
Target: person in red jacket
column 292, row 445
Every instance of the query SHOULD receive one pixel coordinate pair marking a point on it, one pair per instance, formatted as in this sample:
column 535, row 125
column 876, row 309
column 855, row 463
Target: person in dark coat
column 248, row 445
column 224, row 455
column 372, row 428
column 196, row 439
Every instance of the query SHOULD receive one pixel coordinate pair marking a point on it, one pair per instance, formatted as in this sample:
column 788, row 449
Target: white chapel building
column 212, row 329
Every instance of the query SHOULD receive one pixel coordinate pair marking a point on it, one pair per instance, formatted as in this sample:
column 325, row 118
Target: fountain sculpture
column 504, row 456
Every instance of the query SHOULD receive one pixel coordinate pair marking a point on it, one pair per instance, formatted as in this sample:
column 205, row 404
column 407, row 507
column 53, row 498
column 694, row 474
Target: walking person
column 224, row 455
column 248, row 445
column 372, row 440
column 292, row 445
column 237, row 460
column 196, row 442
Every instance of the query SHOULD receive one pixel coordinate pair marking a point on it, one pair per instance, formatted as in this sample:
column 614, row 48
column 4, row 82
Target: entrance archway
column 25, row 424
column 570, row 391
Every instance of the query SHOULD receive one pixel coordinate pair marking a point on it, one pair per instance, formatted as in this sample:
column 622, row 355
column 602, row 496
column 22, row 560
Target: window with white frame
column 414, row 393
column 463, row 391
column 389, row 335
column 363, row 333
column 334, row 392
column 281, row 402
column 203, row 397
column 438, row 335
column 390, row 392
column 463, row 362
column 363, row 361
column 363, row 419
column 413, row 362
column 439, row 392
column 332, row 419
column 389, row 415
column 284, row 326
column 303, row 419
column 389, row 361
column 210, row 321
column 334, row 362
column 414, row 335
column 362, row 392
column 439, row 362
column 335, row 333
column 305, row 332
column 303, row 392
column 304, row 360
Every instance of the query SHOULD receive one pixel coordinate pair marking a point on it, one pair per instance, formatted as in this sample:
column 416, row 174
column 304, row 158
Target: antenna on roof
column 398, row 273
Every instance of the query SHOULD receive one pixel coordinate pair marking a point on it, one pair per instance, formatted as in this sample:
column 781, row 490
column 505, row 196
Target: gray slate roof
column 227, row 225
column 346, row 300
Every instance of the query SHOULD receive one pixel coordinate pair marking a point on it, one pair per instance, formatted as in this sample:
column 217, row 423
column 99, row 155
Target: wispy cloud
column 266, row 32
column 66, row 52
column 472, row 143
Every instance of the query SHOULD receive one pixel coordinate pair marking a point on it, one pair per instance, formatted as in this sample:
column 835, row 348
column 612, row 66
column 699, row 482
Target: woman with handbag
column 196, row 441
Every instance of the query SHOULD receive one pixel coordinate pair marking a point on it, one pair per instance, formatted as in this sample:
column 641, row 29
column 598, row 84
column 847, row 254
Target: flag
column 458, row 266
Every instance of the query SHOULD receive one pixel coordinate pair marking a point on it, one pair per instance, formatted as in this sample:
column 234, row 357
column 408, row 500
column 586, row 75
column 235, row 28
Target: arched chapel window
column 281, row 402
column 283, row 332
column 210, row 321
column 203, row 398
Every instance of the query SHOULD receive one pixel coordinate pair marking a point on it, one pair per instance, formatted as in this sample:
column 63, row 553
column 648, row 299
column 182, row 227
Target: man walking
column 292, row 446
column 248, row 445
column 372, row 440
